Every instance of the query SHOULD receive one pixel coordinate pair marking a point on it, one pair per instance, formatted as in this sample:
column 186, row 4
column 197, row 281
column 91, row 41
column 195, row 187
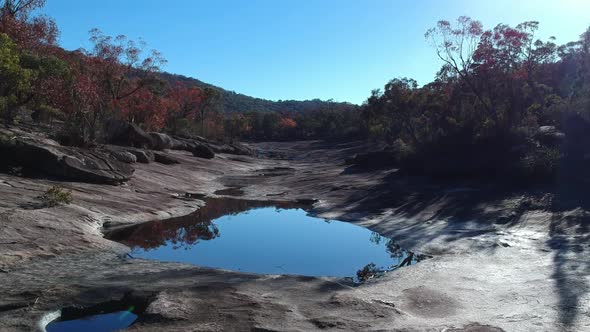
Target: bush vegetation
column 55, row 196
column 481, row 114
column 478, row 117
column 115, row 79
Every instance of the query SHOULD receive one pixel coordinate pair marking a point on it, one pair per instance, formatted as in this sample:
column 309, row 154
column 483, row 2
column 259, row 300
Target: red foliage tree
column 455, row 46
column 145, row 107
column 106, row 77
column 514, row 50
column 185, row 103
column 287, row 123
column 31, row 33
column 120, row 66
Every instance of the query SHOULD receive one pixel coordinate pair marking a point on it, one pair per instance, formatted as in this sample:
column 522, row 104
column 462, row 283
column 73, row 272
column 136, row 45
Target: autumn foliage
column 287, row 123
column 495, row 88
column 119, row 79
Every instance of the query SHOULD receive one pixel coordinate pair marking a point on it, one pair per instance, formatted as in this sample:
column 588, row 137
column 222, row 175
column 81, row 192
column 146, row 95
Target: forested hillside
column 81, row 92
column 236, row 102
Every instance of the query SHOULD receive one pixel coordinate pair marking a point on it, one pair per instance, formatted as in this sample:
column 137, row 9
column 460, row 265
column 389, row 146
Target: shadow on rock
column 569, row 239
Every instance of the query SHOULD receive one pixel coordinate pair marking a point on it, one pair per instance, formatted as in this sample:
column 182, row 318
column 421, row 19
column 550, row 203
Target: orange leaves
column 155, row 111
column 146, row 108
column 287, row 123
column 185, row 101
column 32, row 33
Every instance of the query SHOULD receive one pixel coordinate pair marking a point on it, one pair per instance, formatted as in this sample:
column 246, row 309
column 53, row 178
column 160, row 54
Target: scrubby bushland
column 331, row 121
column 482, row 114
column 84, row 90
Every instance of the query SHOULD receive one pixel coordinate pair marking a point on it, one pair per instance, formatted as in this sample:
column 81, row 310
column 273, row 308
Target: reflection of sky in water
column 268, row 240
column 100, row 323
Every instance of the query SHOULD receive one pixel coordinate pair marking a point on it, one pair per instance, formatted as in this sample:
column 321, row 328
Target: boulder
column 128, row 134
column 142, row 156
column 236, row 149
column 178, row 144
column 164, row 158
column 195, row 146
column 202, row 151
column 161, row 141
column 242, row 149
column 120, row 154
column 65, row 163
column 543, row 130
column 124, row 157
column 549, row 136
column 197, row 143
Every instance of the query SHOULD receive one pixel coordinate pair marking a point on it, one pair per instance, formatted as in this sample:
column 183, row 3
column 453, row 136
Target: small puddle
column 265, row 237
column 113, row 315
column 114, row 321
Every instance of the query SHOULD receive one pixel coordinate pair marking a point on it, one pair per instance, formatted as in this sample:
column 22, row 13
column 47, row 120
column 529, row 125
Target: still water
column 114, row 321
column 263, row 237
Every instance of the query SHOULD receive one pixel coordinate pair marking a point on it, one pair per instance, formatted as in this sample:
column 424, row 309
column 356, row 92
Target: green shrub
column 47, row 114
column 55, row 196
column 402, row 150
column 541, row 163
column 6, row 139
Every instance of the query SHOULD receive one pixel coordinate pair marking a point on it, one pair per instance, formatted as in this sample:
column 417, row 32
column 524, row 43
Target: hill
column 232, row 101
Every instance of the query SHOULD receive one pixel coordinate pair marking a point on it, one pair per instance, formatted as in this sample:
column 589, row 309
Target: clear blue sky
column 301, row 49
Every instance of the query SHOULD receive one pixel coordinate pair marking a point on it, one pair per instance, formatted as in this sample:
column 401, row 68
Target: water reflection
column 266, row 237
column 114, row 321
column 186, row 231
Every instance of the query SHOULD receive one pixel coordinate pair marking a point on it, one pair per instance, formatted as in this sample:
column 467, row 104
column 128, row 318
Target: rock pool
column 265, row 237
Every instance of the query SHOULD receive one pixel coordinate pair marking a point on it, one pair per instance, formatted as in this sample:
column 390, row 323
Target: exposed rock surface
column 164, row 158
column 161, row 141
column 503, row 260
column 238, row 149
column 373, row 160
column 142, row 156
column 129, row 134
column 202, row 151
column 120, row 154
column 549, row 135
column 49, row 158
column 199, row 143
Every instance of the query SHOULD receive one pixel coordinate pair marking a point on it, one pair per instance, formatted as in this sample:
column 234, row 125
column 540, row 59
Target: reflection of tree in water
column 395, row 251
column 187, row 230
column 368, row 272
column 187, row 237
column 376, row 238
